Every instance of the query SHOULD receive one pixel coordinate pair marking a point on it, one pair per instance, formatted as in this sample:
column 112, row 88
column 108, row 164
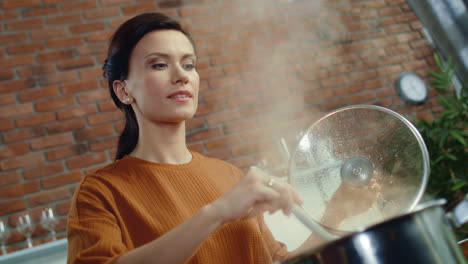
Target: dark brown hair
column 116, row 66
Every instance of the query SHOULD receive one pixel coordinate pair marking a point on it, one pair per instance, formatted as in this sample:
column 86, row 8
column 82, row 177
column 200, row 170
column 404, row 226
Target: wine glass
column 49, row 221
column 26, row 228
column 4, row 234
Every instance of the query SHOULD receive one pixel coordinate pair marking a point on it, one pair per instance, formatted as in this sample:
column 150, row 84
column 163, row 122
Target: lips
column 180, row 95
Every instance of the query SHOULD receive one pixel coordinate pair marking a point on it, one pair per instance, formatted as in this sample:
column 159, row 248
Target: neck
column 162, row 143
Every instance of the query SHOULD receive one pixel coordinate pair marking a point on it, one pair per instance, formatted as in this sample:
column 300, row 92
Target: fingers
column 287, row 196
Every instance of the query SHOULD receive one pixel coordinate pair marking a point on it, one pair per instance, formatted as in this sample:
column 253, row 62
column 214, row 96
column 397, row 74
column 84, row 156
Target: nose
column 180, row 76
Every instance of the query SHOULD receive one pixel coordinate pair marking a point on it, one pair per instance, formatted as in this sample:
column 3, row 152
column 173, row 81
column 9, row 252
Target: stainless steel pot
column 423, row 236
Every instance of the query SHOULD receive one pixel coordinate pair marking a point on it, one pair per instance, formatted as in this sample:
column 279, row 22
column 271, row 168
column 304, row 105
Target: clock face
column 412, row 88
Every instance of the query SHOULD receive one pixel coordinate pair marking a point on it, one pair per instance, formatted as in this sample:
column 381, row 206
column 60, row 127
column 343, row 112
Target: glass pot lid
column 353, row 146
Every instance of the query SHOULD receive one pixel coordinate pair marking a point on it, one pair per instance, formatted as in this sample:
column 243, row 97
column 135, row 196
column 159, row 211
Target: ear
column 120, row 90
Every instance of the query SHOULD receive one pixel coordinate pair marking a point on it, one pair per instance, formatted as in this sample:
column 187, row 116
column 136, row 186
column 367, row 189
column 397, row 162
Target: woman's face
column 162, row 81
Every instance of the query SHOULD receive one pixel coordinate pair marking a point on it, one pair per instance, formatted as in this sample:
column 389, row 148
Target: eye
column 159, row 66
column 189, row 66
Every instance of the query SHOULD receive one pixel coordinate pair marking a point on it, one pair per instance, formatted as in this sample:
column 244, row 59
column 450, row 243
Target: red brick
column 103, row 144
column 75, row 63
column 60, row 180
column 244, row 149
column 63, row 208
column 64, row 19
column 239, row 125
column 48, row 33
column 23, row 161
column 34, row 70
column 222, row 116
column 6, row 74
column 35, row 119
column 87, row 27
column 210, row 107
column 333, row 104
column 6, row 123
column 94, row 96
column 198, row 147
column 242, row 100
column 7, row 99
column 56, row 78
column 77, row 111
column 12, row 150
column 25, row 48
column 222, row 142
column 55, row 103
column 25, row 24
column 222, row 154
column 80, row 86
column 19, row 190
column 105, row 117
column 91, row 73
column 40, row 93
column 7, row 4
column 41, row 11
column 139, row 8
column 43, row 170
column 102, row 13
column 16, row 61
column 194, row 123
column 363, row 97
column 12, row 206
column 107, row 106
column 64, row 152
column 116, row 2
column 67, row 125
column 12, row 38
column 79, row 5
column 54, row 56
column 217, row 95
column 99, row 37
column 52, row 141
column 86, row 160
column 8, row 178
column 205, row 134
column 95, row 49
column 8, row 14
column 91, row 133
column 64, row 42
column 46, row 197
column 16, row 110
column 22, row 134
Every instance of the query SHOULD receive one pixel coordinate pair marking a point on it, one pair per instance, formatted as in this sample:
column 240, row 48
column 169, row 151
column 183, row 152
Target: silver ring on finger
column 270, row 182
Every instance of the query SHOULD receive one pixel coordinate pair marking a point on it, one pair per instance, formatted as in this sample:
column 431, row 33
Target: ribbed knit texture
column 132, row 202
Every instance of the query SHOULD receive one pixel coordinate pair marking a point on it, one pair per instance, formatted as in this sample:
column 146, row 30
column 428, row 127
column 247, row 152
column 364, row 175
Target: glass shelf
column 54, row 252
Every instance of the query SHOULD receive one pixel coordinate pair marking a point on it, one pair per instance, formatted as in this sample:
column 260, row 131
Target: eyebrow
column 164, row 55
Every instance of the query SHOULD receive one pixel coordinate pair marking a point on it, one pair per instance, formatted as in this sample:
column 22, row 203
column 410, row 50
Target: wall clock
column 412, row 88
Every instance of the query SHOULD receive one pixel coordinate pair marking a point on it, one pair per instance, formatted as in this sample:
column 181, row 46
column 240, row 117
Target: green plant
column 446, row 138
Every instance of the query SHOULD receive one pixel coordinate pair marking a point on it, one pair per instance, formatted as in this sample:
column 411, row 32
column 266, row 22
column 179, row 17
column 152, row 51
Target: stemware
column 49, row 221
column 26, row 228
column 4, row 234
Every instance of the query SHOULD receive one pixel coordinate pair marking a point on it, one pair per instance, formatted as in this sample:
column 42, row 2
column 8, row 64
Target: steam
column 288, row 45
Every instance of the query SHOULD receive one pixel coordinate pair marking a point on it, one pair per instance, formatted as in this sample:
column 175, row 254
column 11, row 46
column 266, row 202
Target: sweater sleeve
column 278, row 251
column 94, row 236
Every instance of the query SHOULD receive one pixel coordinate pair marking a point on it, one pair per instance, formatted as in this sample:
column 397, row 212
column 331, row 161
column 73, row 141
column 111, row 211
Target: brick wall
column 267, row 68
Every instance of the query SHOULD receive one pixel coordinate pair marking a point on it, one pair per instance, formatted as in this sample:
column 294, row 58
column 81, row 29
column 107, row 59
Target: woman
column 159, row 202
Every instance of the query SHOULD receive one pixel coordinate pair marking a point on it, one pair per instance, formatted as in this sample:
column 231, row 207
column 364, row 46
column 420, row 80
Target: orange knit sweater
column 132, row 202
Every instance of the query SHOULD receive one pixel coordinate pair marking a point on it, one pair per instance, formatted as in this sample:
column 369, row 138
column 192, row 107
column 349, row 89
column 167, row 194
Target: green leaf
column 456, row 134
column 458, row 186
column 451, row 156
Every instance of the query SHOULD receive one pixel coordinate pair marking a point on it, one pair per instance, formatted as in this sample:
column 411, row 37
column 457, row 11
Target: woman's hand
column 256, row 193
